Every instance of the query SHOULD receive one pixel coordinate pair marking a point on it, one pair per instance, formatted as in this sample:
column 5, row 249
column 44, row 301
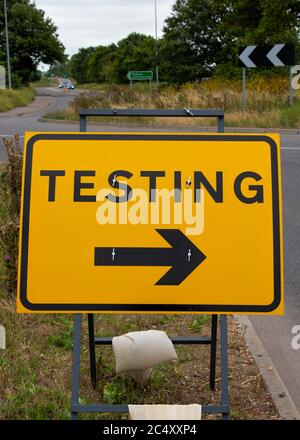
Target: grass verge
column 11, row 98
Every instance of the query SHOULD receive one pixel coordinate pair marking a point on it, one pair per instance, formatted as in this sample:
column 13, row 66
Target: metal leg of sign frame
column 163, row 113
column 222, row 408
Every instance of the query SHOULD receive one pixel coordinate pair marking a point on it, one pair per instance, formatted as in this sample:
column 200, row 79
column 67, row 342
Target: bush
column 10, row 198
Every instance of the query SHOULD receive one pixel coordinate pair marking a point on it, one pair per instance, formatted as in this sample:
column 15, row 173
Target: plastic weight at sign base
column 151, row 222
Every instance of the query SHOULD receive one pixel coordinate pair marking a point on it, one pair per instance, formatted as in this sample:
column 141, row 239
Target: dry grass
column 267, row 102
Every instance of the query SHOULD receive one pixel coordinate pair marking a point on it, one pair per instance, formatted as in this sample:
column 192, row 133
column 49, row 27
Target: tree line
column 200, row 38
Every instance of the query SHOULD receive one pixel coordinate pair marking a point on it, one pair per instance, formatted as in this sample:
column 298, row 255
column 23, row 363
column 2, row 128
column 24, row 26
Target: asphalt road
column 275, row 332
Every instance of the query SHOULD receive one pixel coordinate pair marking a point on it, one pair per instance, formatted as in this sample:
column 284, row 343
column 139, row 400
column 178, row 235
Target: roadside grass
column 290, row 116
column 267, row 102
column 198, row 322
column 11, row 98
column 63, row 338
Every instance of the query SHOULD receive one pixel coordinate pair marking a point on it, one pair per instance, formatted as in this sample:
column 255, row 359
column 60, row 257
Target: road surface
column 275, row 332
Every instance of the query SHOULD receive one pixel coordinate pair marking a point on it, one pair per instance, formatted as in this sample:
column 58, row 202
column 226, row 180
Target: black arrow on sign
column 183, row 256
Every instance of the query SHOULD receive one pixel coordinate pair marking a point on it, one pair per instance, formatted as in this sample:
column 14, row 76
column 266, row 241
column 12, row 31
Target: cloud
column 83, row 23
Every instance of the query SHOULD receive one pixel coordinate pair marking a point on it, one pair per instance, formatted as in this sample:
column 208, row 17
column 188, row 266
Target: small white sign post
column 2, row 78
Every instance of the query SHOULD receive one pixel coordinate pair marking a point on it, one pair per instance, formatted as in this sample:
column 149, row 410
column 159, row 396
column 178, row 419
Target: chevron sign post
column 276, row 55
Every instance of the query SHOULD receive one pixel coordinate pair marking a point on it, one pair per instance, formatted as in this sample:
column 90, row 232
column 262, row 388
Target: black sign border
column 151, row 307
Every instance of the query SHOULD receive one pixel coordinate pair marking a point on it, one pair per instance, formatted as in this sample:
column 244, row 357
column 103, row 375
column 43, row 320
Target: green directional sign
column 140, row 75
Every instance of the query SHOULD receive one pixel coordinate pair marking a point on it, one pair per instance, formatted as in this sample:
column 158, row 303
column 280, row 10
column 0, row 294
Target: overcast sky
column 83, row 23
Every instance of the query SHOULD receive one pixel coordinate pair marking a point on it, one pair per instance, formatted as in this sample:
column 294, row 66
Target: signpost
column 222, row 255
column 277, row 55
column 141, row 75
column 191, row 225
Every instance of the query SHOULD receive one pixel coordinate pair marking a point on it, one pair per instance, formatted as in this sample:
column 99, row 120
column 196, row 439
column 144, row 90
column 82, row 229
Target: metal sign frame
column 76, row 407
column 162, row 113
column 223, row 408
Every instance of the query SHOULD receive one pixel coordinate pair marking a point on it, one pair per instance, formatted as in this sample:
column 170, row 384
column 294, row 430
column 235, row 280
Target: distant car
column 70, row 86
column 60, row 86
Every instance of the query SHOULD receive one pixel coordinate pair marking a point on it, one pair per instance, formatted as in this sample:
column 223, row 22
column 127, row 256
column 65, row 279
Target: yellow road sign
column 187, row 223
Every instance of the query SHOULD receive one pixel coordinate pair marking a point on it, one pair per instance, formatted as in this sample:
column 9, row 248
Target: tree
column 191, row 41
column 263, row 21
column 199, row 36
column 101, row 64
column 248, row 22
column 60, row 69
column 33, row 40
column 79, row 64
column 135, row 52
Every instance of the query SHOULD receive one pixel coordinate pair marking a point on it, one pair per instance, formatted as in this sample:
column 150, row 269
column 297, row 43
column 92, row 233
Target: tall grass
column 11, row 98
column 267, row 101
column 262, row 94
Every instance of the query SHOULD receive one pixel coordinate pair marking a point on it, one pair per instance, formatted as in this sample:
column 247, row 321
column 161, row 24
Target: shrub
column 10, row 197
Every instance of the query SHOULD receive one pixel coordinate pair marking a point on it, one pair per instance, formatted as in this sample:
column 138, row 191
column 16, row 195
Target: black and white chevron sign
column 267, row 56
